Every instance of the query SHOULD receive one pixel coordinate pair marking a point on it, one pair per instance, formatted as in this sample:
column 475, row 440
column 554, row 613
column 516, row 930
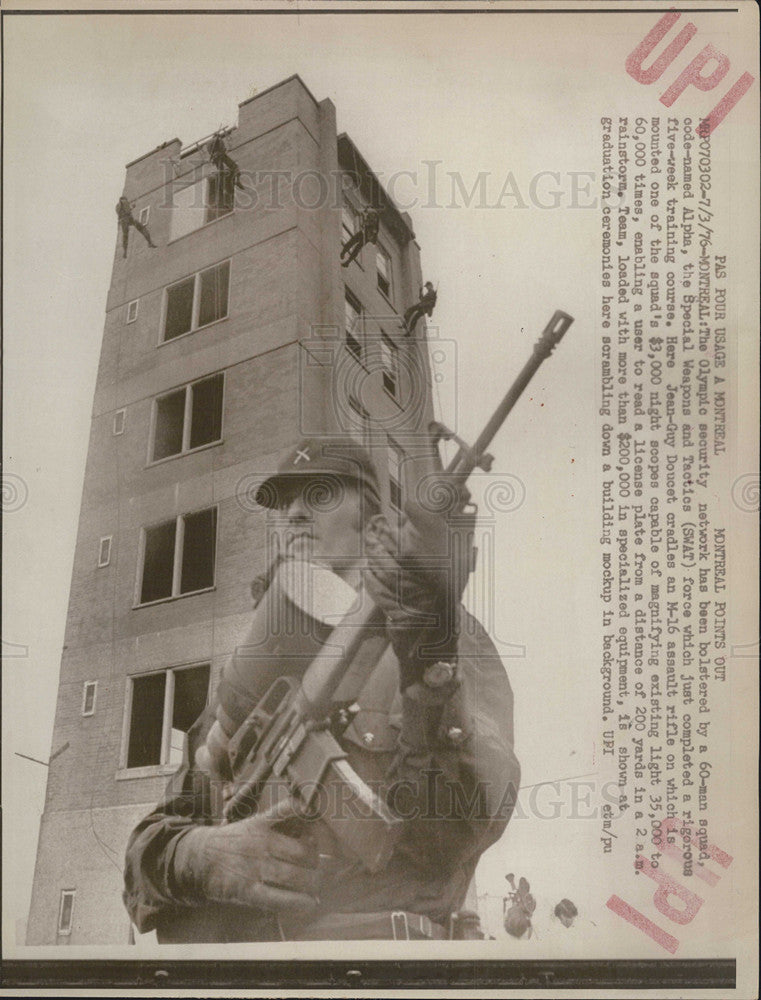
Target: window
column 390, row 362
column 395, row 456
column 353, row 325
column 144, row 213
column 179, row 308
column 119, row 420
column 88, row 697
column 178, row 556
column 132, row 311
column 197, row 301
column 188, row 418
column 383, row 266
column 66, row 911
column 195, row 202
column 104, row 551
column 162, row 708
column 220, row 195
column 361, row 418
column 214, row 285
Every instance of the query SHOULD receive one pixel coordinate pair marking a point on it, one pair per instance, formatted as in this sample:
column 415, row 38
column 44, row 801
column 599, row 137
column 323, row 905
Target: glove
column 254, row 862
column 414, row 577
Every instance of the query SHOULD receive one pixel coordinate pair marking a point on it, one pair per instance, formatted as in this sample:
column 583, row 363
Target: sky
column 508, row 104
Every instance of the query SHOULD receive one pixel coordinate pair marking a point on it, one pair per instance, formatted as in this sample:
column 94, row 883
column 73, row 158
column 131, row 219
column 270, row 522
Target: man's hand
column 415, row 578
column 403, row 581
column 415, row 571
column 253, row 862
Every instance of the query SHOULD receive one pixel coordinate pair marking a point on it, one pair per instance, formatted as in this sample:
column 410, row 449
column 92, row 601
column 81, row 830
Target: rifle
column 289, row 734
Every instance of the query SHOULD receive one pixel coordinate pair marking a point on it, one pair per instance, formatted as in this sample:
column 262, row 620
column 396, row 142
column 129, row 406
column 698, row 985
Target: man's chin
column 301, row 548
column 304, row 549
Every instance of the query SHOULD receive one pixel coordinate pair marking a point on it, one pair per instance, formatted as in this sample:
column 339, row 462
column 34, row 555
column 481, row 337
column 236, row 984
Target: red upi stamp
column 706, row 69
column 678, row 840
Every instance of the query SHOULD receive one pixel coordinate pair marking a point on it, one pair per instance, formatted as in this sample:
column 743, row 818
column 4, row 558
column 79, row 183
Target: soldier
column 422, row 308
column 566, row 912
column 435, row 737
column 127, row 219
column 559, row 926
column 367, row 233
column 517, row 916
column 223, row 162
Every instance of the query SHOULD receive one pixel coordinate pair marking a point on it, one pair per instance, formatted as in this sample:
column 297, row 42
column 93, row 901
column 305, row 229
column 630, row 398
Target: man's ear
column 375, row 527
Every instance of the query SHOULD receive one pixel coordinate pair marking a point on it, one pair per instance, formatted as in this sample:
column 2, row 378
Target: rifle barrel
column 464, row 462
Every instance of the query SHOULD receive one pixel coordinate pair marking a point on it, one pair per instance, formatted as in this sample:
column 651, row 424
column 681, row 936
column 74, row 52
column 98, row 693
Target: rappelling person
column 422, row 308
column 517, row 916
column 127, row 219
column 367, row 233
column 221, row 159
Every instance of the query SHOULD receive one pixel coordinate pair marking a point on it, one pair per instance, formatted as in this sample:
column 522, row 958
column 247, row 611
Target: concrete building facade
column 237, row 336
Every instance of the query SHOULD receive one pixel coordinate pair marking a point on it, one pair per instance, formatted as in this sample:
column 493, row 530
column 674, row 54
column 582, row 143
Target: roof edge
column 150, row 152
column 281, row 83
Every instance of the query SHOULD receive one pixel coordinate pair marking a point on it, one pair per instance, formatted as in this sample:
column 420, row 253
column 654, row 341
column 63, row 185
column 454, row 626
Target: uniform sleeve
column 456, row 776
column 188, row 801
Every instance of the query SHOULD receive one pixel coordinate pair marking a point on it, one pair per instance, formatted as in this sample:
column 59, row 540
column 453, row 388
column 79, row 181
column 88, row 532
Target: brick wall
column 93, row 871
column 286, row 289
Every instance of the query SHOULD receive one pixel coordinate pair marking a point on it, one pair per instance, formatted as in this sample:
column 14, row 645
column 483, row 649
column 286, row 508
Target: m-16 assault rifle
column 289, row 742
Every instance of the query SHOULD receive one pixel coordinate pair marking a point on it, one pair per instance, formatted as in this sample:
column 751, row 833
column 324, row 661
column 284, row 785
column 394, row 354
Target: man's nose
column 298, row 510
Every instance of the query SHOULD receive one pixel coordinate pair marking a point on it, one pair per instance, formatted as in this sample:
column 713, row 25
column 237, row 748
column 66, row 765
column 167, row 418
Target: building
column 238, row 335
